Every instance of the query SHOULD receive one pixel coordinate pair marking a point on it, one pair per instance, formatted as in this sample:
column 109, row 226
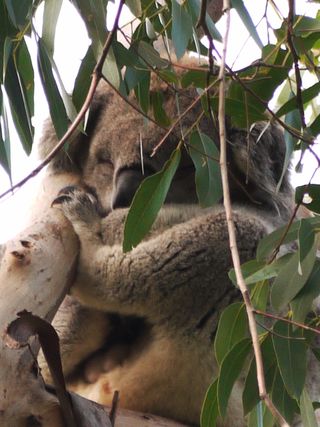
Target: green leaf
column 281, row 399
column 159, row 113
column 26, row 77
column 57, row 109
column 181, row 28
column 312, row 201
column 246, row 19
column 147, row 202
column 250, row 396
column 267, row 245
column 135, row 7
column 147, row 53
column 256, row 271
column 210, row 411
column 142, row 91
column 19, row 108
column 93, row 13
column 83, row 79
column 205, row 156
column 19, row 11
column 232, row 328
column 50, row 17
column 301, row 305
column 307, row 412
column 230, row 370
column 293, row 276
column 307, row 96
column 291, row 352
column 5, row 149
column 194, row 9
column 293, row 120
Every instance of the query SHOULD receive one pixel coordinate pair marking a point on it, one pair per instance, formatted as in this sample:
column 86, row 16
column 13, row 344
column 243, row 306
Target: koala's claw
column 78, row 205
column 61, row 199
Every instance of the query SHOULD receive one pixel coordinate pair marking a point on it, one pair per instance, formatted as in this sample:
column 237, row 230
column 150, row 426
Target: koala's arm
column 180, row 271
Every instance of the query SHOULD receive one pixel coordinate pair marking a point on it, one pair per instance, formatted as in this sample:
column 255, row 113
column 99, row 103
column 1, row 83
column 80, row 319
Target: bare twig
column 96, row 76
column 290, row 35
column 291, row 322
column 232, row 233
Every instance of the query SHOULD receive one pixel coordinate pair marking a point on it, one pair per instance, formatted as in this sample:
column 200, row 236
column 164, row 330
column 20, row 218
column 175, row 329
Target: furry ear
column 70, row 158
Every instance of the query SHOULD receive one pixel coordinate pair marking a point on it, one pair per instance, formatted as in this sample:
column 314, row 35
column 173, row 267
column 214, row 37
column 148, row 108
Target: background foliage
column 287, row 285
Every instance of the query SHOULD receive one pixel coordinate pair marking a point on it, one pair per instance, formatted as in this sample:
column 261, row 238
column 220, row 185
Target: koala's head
column 114, row 155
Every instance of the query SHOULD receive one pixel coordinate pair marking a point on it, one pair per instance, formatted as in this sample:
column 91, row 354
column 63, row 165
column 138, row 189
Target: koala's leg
column 182, row 270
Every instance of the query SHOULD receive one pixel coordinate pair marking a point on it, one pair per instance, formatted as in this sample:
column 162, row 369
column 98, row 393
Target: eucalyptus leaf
column 312, row 201
column 159, row 113
column 205, row 156
column 181, row 28
column 232, row 328
column 19, row 11
column 292, row 277
column 83, row 79
column 291, row 352
column 210, row 411
column 246, row 19
column 147, row 202
column 230, row 370
column 307, row 412
column 57, row 109
column 307, row 95
column 51, row 13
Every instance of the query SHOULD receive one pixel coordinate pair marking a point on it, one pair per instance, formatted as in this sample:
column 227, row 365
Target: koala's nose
column 127, row 183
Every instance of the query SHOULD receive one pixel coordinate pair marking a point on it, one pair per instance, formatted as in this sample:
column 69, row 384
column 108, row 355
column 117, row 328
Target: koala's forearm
column 184, row 268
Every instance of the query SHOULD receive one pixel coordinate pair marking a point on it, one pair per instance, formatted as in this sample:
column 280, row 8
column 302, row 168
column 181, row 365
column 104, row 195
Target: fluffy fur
column 144, row 322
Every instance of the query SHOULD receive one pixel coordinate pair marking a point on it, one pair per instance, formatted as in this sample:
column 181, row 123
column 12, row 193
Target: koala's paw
column 78, row 205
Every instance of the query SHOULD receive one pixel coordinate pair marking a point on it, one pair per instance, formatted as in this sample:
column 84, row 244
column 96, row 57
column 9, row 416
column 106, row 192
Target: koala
column 143, row 322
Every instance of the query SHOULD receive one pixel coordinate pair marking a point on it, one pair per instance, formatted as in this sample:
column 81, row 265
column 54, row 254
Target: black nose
column 127, row 183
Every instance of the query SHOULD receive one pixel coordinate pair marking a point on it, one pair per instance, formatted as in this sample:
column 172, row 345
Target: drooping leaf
column 210, row 411
column 135, row 7
column 5, row 149
column 147, row 53
column 93, row 13
column 205, row 156
column 256, row 271
column 286, row 405
column 181, row 28
column 295, row 273
column 291, row 352
column 307, row 95
column 250, row 395
column 83, row 79
column 50, row 17
column 307, row 411
column 301, row 305
column 57, row 109
column 159, row 112
column 26, row 76
column 194, row 10
column 230, row 370
column 232, row 328
column 267, row 245
column 19, row 109
column 292, row 119
column 142, row 92
column 247, row 21
column 147, row 202
column 19, row 11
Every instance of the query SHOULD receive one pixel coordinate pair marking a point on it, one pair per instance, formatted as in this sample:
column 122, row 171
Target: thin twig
column 290, row 35
column 232, row 233
column 96, row 76
column 291, row 322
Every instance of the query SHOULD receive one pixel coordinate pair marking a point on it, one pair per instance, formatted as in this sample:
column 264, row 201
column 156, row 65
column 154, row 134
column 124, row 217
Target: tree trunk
column 37, row 268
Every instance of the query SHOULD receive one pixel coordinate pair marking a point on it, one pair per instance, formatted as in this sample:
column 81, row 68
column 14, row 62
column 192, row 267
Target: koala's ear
column 71, row 158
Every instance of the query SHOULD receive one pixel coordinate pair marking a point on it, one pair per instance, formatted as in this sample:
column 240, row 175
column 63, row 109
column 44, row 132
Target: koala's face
column 119, row 156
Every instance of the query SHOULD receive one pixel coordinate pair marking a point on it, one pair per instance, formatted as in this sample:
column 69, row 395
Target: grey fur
column 164, row 298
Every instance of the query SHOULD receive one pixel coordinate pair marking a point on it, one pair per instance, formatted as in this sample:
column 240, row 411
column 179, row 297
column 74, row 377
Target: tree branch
column 232, row 233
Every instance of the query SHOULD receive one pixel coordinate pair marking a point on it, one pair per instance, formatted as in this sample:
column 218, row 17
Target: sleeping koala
column 144, row 322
